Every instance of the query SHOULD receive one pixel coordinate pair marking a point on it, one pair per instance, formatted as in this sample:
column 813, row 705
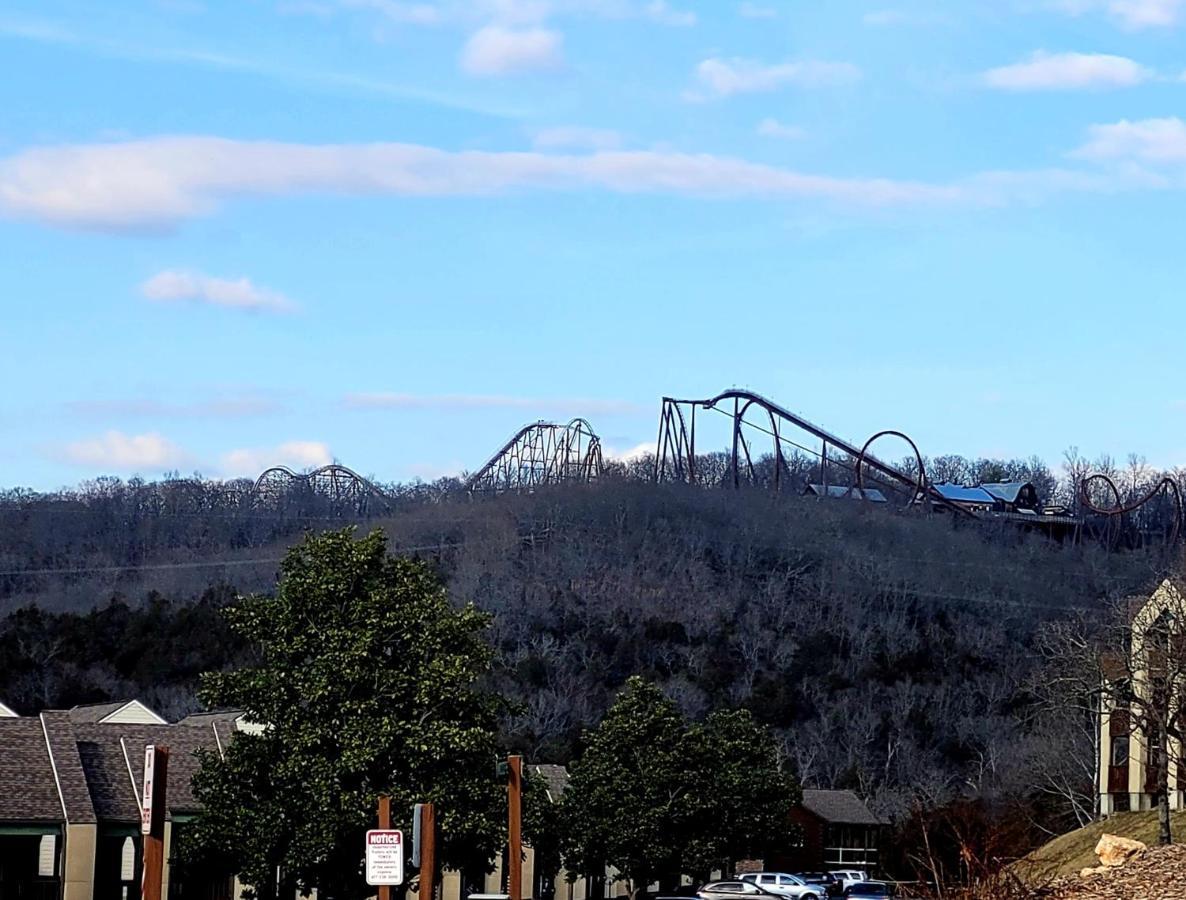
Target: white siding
column 6, row 713
column 134, row 713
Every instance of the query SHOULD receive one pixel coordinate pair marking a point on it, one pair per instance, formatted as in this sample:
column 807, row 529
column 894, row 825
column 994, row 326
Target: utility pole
column 514, row 827
column 384, row 825
column 428, row 850
column 152, row 820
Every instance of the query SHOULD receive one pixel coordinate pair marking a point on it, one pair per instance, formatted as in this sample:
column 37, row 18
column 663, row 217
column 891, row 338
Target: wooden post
column 154, row 803
column 428, row 851
column 514, row 827
column 384, row 825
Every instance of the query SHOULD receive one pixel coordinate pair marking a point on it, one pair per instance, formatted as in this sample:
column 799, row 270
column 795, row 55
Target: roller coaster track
column 676, row 454
column 342, row 489
column 541, row 453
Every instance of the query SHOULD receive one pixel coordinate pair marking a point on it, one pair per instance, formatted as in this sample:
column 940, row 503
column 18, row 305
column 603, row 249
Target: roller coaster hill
column 737, row 440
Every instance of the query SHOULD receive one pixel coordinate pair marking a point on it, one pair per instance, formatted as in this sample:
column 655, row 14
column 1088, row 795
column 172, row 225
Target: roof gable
column 121, row 712
column 7, row 712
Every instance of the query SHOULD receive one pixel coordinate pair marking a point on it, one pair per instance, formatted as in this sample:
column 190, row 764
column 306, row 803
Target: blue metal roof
column 957, row 493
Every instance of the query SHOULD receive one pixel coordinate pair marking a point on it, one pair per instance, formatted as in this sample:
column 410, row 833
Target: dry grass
column 1068, row 853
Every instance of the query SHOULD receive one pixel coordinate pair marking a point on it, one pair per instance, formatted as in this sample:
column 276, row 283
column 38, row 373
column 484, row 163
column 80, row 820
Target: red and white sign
column 146, row 805
column 385, row 857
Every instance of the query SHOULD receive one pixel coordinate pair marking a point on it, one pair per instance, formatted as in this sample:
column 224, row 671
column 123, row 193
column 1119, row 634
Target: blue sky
column 389, row 233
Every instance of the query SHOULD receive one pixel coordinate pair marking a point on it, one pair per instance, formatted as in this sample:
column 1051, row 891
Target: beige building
column 1126, row 775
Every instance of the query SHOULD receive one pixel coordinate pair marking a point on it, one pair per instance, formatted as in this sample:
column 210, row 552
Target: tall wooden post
column 428, row 851
column 152, row 820
column 384, row 825
column 514, row 827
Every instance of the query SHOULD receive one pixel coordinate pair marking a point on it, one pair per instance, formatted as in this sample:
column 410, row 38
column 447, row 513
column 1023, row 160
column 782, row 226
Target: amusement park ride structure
column 764, row 439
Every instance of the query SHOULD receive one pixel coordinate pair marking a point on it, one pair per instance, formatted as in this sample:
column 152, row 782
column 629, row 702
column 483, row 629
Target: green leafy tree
column 655, row 797
column 745, row 795
column 367, row 684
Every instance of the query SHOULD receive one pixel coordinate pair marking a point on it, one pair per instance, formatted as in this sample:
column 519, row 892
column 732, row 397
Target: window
column 1120, row 750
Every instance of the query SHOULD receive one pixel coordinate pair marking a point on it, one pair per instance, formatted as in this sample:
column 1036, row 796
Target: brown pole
column 514, row 827
column 384, row 825
column 153, row 822
column 428, row 850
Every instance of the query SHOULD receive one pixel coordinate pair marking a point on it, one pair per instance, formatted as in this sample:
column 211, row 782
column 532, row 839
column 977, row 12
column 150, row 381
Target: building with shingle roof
column 70, row 783
column 837, row 831
column 127, row 712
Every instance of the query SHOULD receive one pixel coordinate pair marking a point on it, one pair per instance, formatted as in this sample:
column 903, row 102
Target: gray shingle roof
column 556, row 778
column 94, row 712
column 106, row 765
column 839, row 807
column 207, row 719
column 71, row 776
column 25, row 766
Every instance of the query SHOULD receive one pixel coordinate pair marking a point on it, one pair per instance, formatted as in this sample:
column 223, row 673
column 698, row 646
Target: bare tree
column 1128, row 664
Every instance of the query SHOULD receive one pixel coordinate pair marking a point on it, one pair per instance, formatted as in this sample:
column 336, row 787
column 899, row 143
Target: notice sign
column 385, row 857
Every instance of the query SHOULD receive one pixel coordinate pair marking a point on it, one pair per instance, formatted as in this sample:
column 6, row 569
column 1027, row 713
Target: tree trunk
column 1163, row 799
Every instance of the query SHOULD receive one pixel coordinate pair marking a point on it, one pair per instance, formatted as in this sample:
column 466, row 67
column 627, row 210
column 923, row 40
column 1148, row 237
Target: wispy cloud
column 1067, row 71
column 1148, row 141
column 236, row 407
column 53, row 33
column 770, row 127
column 160, row 182
column 1131, row 14
column 297, row 455
column 495, row 50
column 662, row 12
column 173, row 285
column 117, row 451
column 568, row 405
column 750, row 10
column 726, row 77
column 886, row 18
column 575, row 137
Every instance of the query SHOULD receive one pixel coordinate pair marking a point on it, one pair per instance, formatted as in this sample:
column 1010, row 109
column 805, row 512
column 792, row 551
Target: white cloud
column 1150, row 141
column 725, row 77
column 160, row 182
column 659, row 11
column 749, row 10
column 632, row 454
column 173, row 285
column 567, row 405
column 1067, row 71
column 769, row 127
column 400, row 13
column 575, row 137
column 297, row 455
column 117, row 451
column 495, row 50
column 1132, row 14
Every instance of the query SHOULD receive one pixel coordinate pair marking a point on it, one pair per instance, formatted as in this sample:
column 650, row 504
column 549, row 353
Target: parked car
column 734, row 890
column 849, row 877
column 825, row 881
column 785, row 885
column 868, row 890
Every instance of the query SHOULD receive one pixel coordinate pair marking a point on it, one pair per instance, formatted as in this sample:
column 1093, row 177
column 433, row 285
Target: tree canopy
column 654, row 796
column 368, row 683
